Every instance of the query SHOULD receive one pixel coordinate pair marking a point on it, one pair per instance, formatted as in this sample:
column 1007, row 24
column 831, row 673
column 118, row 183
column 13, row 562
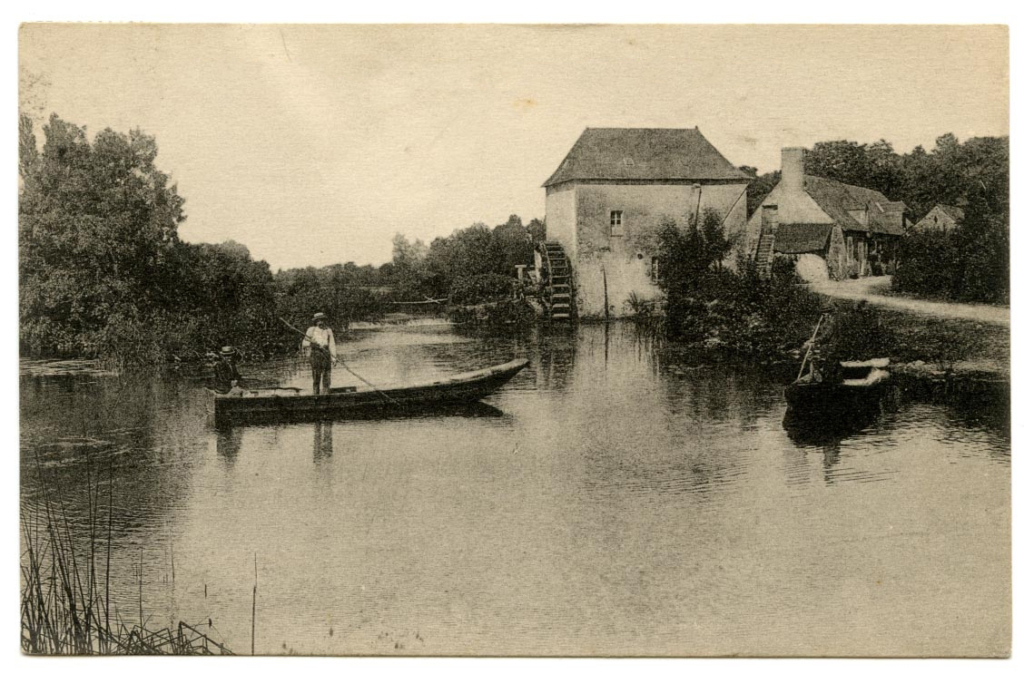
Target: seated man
column 228, row 380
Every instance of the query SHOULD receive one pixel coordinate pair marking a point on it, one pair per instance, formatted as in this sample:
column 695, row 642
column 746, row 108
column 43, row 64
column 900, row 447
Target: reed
column 65, row 600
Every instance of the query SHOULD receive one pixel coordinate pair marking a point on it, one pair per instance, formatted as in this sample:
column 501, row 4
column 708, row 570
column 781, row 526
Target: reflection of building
column 612, row 192
column 854, row 230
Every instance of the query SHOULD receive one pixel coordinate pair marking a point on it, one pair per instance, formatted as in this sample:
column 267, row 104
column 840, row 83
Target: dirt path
column 870, row 288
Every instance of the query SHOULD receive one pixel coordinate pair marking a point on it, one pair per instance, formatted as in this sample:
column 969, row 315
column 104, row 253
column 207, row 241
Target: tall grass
column 65, row 589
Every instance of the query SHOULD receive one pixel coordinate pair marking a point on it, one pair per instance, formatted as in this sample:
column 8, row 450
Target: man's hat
column 319, row 316
column 227, row 351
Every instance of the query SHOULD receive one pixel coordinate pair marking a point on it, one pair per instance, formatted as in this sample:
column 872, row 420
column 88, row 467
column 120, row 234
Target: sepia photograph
column 543, row 340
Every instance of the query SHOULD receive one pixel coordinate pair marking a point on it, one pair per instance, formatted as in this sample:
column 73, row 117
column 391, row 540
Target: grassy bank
column 940, row 343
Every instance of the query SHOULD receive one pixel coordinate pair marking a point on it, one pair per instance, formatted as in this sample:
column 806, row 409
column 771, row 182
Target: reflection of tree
column 971, row 403
column 144, row 426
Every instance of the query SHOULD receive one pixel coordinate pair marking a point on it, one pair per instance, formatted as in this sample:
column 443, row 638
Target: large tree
column 97, row 225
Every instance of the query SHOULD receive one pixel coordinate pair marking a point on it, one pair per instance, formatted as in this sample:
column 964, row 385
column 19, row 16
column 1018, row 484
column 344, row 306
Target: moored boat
column 861, row 383
column 461, row 389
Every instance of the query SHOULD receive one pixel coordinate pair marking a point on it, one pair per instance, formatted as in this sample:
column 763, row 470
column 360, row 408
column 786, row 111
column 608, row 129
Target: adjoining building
column 612, row 192
column 855, row 230
column 942, row 218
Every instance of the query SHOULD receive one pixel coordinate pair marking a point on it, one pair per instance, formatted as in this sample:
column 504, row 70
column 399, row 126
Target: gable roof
column 801, row 237
column 952, row 211
column 838, row 199
column 644, row 154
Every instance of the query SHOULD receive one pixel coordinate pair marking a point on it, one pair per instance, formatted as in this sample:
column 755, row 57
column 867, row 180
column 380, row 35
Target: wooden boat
column 861, row 385
column 364, row 401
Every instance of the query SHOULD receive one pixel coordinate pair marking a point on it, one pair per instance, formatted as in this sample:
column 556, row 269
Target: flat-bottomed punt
column 861, row 386
column 461, row 389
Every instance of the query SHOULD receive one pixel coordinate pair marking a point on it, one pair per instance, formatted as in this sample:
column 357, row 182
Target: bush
column 927, row 264
column 737, row 313
column 969, row 264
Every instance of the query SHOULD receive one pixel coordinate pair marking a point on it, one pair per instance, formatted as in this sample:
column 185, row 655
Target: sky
column 315, row 144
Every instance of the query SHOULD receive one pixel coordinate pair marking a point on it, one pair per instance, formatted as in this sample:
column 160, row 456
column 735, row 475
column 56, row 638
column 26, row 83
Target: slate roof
column 837, row 199
column 644, row 154
column 794, row 238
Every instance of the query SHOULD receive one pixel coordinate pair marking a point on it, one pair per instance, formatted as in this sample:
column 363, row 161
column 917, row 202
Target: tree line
column 103, row 272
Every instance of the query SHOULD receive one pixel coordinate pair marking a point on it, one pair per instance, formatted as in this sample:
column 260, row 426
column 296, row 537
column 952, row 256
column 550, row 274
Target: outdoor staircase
column 558, row 295
column 765, row 253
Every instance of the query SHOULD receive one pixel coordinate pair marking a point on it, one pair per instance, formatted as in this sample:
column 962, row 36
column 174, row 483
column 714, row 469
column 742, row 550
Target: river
column 610, row 500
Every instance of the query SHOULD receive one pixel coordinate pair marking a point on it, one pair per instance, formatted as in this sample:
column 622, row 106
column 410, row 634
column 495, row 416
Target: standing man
column 318, row 345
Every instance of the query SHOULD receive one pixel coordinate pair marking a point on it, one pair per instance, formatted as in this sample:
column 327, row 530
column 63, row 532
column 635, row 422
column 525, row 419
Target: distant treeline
column 102, row 272
column 971, row 263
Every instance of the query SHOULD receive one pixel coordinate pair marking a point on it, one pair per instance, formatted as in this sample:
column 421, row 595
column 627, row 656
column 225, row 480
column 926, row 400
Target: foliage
column 691, row 254
column 715, row 309
column 344, row 292
column 472, row 251
column 97, row 234
column 970, row 263
column 538, row 230
column 973, row 175
column 102, row 272
column 481, row 288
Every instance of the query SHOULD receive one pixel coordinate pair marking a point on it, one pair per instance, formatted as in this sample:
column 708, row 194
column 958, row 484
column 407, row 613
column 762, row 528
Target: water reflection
column 323, row 441
column 229, row 441
column 615, row 492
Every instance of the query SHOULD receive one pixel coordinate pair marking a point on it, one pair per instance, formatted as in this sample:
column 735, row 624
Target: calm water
column 608, row 501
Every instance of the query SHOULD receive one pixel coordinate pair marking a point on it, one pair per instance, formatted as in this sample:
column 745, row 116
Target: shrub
column 969, row 264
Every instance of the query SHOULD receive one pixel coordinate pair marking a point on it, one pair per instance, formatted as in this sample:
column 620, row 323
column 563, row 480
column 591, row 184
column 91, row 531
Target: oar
column 340, row 360
column 810, row 345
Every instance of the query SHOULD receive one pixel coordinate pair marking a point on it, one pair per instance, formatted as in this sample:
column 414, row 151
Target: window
column 616, row 223
column 655, row 268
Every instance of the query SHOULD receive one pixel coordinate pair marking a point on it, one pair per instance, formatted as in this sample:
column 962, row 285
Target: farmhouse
column 854, row 230
column 615, row 188
column 942, row 218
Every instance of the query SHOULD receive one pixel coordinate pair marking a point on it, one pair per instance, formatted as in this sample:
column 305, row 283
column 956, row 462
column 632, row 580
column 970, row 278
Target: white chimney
column 792, row 169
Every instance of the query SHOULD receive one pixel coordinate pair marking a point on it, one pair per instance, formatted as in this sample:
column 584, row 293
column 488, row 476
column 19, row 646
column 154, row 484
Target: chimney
column 792, row 169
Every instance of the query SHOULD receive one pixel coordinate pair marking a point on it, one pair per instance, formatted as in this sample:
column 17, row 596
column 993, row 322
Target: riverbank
column 877, row 290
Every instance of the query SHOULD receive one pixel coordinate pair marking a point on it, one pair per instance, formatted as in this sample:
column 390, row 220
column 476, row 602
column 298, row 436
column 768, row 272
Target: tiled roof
column 839, row 199
column 644, row 154
column 793, row 238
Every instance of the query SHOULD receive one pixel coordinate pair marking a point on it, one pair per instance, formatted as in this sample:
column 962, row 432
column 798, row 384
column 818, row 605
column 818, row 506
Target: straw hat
column 319, row 316
column 227, row 351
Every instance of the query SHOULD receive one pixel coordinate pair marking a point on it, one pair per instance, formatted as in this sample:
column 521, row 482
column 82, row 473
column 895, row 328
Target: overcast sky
column 314, row 144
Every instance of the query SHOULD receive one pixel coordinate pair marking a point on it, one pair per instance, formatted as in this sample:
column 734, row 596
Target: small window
column 616, row 223
column 655, row 268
